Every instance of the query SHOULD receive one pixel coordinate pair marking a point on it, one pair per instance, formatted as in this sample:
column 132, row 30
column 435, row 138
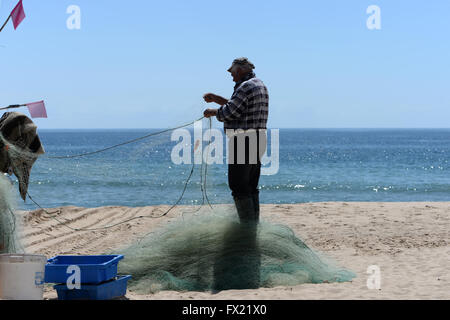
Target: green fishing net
column 9, row 242
column 211, row 251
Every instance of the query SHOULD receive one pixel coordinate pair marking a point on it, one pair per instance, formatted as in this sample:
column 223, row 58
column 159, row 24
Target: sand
column 408, row 241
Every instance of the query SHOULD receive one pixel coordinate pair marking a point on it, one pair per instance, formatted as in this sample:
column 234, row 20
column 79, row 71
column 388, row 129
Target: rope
column 203, row 188
column 13, row 106
column 124, row 143
column 206, row 164
column 122, row 222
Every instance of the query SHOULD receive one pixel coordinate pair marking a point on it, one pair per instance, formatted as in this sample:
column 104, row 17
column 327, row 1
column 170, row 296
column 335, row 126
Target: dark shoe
column 245, row 209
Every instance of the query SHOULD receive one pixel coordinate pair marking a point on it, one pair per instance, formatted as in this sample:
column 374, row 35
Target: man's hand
column 211, row 97
column 210, row 113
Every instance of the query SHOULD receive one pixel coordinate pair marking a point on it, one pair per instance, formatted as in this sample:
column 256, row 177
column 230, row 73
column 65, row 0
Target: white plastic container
column 22, row 276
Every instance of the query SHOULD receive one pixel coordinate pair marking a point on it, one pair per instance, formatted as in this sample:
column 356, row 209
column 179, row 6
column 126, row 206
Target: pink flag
column 37, row 109
column 17, row 14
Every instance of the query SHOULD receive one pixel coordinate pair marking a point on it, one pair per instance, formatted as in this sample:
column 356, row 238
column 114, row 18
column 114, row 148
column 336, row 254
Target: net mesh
column 9, row 226
column 206, row 249
column 19, row 148
column 212, row 250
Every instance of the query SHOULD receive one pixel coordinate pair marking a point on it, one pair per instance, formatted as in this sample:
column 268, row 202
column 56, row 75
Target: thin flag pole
column 36, row 109
column 13, row 106
column 5, row 23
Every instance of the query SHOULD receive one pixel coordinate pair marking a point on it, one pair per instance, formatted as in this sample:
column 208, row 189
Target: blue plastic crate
column 104, row 291
column 93, row 269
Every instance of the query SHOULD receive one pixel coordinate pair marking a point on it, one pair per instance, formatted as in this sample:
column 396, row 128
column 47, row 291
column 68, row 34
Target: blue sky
column 146, row 64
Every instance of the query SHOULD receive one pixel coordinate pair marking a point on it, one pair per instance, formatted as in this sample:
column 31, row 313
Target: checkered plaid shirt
column 248, row 107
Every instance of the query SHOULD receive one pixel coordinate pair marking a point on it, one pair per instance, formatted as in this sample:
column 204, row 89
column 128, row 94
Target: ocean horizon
column 315, row 165
column 219, row 127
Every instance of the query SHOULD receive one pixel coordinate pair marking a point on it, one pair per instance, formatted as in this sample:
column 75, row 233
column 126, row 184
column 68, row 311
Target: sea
column 313, row 165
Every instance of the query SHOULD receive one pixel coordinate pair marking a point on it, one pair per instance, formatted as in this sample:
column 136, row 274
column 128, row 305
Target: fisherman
column 245, row 117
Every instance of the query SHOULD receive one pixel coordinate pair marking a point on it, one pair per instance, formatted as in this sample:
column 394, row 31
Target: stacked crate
column 86, row 277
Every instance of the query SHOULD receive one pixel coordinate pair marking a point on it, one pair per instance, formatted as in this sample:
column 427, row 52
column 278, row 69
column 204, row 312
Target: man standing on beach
column 244, row 116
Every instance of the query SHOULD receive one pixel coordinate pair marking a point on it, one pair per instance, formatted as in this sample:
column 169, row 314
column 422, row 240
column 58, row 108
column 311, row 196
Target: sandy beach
column 408, row 241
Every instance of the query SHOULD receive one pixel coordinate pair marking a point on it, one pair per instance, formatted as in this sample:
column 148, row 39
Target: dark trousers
column 243, row 178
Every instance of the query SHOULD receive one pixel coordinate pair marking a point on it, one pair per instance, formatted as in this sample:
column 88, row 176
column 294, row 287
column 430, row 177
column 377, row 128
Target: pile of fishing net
column 9, row 242
column 20, row 146
column 211, row 251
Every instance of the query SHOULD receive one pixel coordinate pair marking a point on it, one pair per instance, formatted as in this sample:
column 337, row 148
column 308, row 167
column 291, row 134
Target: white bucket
column 22, row 276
